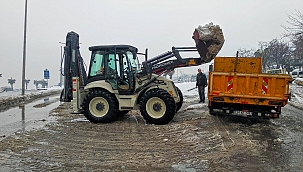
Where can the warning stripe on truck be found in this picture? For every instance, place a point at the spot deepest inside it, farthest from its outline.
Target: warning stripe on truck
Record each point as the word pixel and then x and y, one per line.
pixel 230 84
pixel 265 86
pixel 74 84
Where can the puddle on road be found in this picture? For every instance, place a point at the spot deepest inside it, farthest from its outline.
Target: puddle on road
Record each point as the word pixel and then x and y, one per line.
pixel 31 116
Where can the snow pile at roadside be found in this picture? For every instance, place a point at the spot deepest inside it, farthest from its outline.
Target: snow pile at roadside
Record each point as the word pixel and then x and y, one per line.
pixel 296 95
pixel 299 81
pixel 190 94
pixel 15 98
pixel 18 92
pixel 188 88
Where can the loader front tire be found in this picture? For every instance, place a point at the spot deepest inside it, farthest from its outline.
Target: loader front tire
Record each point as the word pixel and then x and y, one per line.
pixel 179 104
pixel 100 106
pixel 157 107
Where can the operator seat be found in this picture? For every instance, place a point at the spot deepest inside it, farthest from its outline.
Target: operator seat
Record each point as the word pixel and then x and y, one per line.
pixel 124 87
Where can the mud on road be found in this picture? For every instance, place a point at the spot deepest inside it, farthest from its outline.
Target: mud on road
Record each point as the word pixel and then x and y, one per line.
pixel 193 141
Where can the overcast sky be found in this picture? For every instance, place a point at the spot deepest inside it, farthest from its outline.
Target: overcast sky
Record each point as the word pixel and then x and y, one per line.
pixel 154 24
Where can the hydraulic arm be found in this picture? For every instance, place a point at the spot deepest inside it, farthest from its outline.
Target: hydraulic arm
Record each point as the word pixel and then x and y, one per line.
pixel 73 66
pixel 161 65
pixel 209 40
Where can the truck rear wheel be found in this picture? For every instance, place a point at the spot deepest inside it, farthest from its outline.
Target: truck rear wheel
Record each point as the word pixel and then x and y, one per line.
pixel 211 111
pixel 179 104
pixel 210 108
pixel 157 107
pixel 100 107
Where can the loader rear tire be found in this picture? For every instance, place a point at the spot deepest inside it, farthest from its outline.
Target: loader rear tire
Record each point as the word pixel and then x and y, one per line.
pixel 179 104
pixel 100 106
pixel 61 95
pixel 157 107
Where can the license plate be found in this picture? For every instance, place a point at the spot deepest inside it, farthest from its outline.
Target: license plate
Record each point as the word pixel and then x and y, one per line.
pixel 242 113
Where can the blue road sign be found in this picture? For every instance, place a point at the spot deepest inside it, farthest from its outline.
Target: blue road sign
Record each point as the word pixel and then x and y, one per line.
pixel 46 74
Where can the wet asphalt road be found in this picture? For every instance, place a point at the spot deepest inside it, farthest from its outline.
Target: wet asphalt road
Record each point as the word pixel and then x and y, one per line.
pixel 278 142
pixel 30 116
pixel 290 130
pixel 281 141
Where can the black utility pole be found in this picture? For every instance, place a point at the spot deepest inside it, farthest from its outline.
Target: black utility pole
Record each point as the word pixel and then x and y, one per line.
pixel 24 50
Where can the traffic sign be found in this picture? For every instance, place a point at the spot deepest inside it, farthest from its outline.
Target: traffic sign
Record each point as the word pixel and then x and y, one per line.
pixel 46 74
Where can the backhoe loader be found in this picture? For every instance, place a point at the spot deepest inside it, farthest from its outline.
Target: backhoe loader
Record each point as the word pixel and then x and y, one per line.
pixel 116 82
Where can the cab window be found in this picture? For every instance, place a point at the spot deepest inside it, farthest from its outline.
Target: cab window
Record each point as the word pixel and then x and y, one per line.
pixel 97 65
pixel 133 62
pixel 112 67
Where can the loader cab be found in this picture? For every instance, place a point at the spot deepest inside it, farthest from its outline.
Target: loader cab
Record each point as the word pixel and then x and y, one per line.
pixel 116 64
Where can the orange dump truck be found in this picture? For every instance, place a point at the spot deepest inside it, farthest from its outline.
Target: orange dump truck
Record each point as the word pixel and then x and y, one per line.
pixel 237 86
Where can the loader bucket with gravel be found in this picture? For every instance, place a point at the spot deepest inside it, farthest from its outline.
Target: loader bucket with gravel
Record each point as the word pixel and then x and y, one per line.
pixel 209 40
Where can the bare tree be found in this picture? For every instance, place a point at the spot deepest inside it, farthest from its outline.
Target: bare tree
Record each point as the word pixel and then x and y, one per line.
pixel 273 53
pixel 263 53
pixel 243 52
pixel 278 52
pixel 298 50
pixel 295 33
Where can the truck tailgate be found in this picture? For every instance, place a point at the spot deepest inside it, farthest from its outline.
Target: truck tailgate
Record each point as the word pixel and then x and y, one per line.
pixel 244 88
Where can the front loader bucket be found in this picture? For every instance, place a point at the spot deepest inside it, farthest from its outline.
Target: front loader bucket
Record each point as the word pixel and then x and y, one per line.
pixel 202 49
pixel 209 40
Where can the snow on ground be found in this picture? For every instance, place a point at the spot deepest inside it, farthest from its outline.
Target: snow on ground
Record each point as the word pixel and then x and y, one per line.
pixel 296 93
pixel 187 88
pixel 18 92
pixel 190 94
